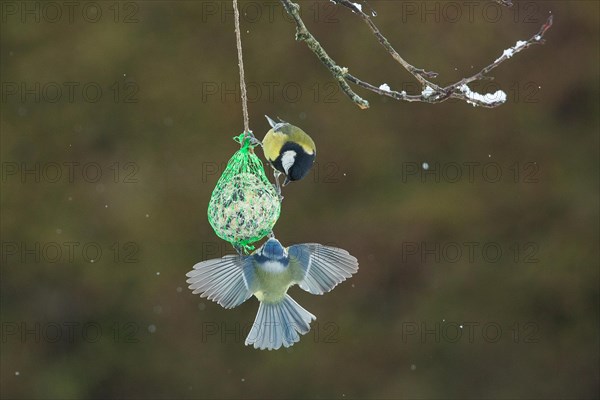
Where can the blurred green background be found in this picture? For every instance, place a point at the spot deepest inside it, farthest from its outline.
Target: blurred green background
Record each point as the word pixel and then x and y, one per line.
pixel 117 118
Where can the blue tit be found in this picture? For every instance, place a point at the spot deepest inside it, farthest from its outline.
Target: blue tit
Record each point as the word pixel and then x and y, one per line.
pixel 267 274
pixel 289 150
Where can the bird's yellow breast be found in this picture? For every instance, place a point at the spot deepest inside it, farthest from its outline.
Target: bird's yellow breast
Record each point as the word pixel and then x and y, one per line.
pixel 272 144
pixel 272 286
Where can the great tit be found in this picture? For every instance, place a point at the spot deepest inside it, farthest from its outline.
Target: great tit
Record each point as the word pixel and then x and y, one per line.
pixel 289 150
pixel 267 274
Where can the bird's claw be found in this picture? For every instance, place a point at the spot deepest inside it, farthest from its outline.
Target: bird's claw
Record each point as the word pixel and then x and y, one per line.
pixel 277 184
pixel 252 139
pixel 239 250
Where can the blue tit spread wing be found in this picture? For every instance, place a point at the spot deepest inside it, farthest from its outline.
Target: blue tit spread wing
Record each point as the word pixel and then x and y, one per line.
pixel 222 280
pixel 323 267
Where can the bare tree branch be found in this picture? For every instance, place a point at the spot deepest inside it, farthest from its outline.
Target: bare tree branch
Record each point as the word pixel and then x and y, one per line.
pixel 432 93
pixel 507 3
pixel 338 72
pixel 418 73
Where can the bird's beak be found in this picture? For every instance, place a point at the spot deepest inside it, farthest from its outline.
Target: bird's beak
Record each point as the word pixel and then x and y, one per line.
pixel 271 122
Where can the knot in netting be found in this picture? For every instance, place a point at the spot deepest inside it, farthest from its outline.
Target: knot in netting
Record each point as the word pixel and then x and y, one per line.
pixel 244 205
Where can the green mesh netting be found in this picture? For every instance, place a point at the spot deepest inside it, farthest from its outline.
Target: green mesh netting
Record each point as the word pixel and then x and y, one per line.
pixel 244 205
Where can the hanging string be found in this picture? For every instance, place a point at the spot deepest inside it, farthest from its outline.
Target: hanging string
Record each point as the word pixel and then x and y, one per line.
pixel 241 67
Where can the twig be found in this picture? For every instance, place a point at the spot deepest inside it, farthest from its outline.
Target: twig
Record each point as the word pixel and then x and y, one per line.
pixel 338 72
pixel 418 73
pixel 538 38
pixel 432 93
pixel 507 3
pixel 238 37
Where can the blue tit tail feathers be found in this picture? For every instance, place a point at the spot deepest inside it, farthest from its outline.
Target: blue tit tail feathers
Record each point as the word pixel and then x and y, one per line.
pixel 324 267
pixel 279 324
pixel 223 280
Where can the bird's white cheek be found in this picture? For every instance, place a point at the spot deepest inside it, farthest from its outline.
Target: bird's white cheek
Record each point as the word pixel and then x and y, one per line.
pixel 287 160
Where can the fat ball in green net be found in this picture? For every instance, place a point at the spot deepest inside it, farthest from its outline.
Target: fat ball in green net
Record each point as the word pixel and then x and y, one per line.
pixel 244 205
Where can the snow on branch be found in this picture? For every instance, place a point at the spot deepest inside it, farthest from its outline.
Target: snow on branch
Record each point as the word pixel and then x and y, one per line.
pixel 507 3
pixel 431 92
